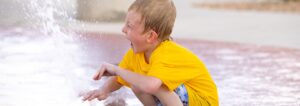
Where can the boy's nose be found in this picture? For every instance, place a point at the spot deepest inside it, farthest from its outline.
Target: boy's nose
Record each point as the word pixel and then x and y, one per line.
pixel 124 29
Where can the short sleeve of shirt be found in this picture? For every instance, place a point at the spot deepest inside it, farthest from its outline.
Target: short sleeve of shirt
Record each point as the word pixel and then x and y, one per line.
pixel 174 69
pixel 125 64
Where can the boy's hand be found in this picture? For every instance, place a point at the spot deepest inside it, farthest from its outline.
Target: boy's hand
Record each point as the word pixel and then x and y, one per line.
pixel 95 94
pixel 106 70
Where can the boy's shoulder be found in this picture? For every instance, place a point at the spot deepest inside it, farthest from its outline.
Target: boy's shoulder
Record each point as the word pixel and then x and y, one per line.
pixel 174 54
pixel 173 49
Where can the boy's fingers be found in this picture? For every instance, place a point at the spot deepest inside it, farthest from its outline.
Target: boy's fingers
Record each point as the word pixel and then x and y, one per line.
pixel 90 97
pixel 101 97
pixel 98 75
pixel 86 97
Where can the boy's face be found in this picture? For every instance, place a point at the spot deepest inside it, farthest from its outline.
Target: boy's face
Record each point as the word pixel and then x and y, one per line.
pixel 134 32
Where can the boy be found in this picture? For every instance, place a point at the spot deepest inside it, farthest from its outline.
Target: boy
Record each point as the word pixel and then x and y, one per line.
pixel 159 71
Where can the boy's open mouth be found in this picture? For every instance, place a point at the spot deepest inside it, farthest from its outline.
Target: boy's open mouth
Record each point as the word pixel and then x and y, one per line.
pixel 131 45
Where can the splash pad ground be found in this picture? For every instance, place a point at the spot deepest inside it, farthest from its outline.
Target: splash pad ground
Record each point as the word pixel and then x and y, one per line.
pixel 47 70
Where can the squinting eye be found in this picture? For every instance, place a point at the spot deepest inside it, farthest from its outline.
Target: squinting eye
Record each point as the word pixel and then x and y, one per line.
pixel 128 26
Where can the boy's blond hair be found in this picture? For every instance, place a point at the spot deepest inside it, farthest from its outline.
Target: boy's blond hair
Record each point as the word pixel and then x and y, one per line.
pixel 158 15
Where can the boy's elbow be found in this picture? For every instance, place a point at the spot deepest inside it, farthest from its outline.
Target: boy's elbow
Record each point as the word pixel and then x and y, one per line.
pixel 152 86
pixel 150 90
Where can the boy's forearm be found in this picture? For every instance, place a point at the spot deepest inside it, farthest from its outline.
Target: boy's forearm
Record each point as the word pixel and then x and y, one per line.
pixel 144 83
pixel 111 85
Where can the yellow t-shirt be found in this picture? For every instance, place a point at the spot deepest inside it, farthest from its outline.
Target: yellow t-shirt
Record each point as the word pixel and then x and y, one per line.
pixel 174 65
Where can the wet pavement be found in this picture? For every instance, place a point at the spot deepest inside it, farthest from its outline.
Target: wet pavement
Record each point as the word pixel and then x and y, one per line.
pixel 245 74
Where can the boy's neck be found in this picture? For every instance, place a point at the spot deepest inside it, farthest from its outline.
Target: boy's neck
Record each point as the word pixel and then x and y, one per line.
pixel 148 53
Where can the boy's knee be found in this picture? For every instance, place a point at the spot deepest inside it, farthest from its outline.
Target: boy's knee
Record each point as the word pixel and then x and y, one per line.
pixel 169 98
pixel 136 91
pixel 163 90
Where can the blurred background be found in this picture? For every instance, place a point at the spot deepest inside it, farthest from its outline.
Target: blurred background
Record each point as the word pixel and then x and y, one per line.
pixel 262 22
pixel 251 47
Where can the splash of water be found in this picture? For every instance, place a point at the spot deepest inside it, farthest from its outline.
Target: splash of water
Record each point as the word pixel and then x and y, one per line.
pixel 46 16
pixel 42 66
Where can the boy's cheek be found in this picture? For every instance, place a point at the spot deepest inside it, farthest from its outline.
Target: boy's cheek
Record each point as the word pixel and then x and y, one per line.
pixel 127 37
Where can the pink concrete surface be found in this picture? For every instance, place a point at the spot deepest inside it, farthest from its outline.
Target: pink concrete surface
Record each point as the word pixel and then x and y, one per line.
pixel 245 74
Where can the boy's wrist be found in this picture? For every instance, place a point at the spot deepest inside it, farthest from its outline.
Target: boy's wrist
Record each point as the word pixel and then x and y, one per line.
pixel 104 90
pixel 117 70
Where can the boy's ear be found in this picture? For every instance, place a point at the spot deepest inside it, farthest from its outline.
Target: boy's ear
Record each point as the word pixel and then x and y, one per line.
pixel 152 36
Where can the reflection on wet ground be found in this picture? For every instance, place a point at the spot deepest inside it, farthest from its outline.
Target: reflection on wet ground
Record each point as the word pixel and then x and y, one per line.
pixel 245 74
pixel 250 74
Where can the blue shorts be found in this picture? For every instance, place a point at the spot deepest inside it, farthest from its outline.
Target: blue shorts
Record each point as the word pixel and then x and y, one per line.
pixel 181 92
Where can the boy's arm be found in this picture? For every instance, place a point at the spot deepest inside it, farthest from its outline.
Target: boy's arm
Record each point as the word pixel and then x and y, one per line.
pixel 147 84
pixel 140 82
pixel 111 85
